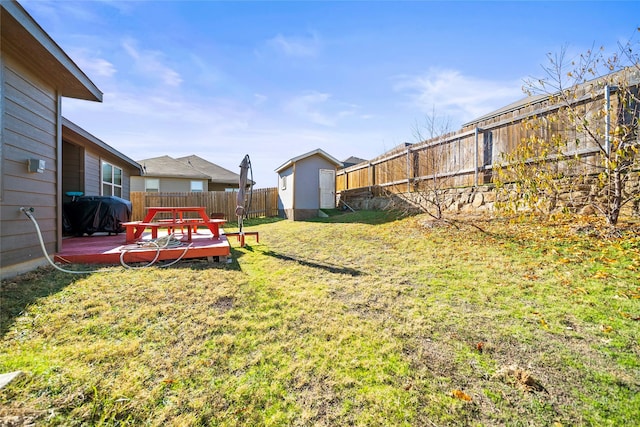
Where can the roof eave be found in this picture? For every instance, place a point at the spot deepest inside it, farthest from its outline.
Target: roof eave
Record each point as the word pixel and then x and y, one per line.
pixel 317 151
pixel 31 41
pixel 70 126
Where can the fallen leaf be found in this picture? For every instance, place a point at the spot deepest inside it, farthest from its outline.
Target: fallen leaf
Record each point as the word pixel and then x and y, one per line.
pixel 543 323
pixel 601 275
pixel 459 394
pixel 522 378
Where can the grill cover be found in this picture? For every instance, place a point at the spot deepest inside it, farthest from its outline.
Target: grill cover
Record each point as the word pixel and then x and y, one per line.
pixel 92 214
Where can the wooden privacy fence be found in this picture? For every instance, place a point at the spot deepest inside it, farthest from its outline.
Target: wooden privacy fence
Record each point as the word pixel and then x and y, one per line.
pixel 586 119
pixel 264 202
pixel 467 157
pixel 456 159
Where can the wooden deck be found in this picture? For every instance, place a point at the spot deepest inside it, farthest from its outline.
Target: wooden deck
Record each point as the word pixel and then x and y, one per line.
pixel 106 249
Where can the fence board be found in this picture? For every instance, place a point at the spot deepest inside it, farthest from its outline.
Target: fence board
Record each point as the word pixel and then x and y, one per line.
pixel 467 157
pixel 264 202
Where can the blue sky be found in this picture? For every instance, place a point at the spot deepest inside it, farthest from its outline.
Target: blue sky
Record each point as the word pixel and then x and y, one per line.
pixel 276 79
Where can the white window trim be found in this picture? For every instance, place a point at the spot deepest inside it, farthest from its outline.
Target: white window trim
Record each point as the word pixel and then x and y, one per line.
pixel 201 184
pixel 154 189
pixel 111 184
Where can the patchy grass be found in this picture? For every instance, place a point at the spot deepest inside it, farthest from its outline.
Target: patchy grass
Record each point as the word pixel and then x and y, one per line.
pixel 356 319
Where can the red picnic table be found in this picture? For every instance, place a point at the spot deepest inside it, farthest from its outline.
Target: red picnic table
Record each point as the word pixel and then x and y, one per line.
pixel 134 229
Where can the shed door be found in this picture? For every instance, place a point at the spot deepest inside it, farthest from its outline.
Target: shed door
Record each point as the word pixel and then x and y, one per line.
pixel 327 189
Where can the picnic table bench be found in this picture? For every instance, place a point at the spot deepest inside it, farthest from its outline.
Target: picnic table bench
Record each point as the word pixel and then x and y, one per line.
pixel 134 229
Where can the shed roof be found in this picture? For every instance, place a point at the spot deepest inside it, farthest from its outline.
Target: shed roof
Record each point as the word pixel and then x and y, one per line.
pixel 168 167
pixel 24 38
pixel 317 151
pixel 74 133
pixel 216 174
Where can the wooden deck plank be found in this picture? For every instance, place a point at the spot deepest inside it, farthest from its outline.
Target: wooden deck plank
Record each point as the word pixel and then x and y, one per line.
pixel 106 249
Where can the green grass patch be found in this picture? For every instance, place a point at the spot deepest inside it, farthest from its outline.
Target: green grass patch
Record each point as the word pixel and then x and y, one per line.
pixel 356 319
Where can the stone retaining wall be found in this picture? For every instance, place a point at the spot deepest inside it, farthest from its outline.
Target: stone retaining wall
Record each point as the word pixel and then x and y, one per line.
pixel 482 199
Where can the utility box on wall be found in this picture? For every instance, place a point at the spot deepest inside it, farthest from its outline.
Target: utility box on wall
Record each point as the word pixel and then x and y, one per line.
pixel 36 165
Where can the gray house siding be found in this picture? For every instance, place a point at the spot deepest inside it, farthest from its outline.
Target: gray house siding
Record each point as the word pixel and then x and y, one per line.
pixel 34 76
pixel 92 172
pixel 126 184
pixel 286 189
pixel 137 183
pixel 308 182
pixel 176 175
pixel 73 169
pixel 300 199
pixel 29 130
pixel 83 155
pixel 168 185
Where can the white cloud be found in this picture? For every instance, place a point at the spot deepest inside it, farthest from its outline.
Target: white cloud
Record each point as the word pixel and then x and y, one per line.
pixel 308 106
pixel 302 47
pixel 259 99
pixel 149 63
pixel 92 65
pixel 58 12
pixel 452 94
pixel 319 108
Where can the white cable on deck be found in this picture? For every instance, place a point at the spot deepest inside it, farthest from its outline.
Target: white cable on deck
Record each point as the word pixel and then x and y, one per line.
pixel 159 248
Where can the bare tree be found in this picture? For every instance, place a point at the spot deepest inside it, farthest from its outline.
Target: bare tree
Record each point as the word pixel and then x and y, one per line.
pixel 584 141
pixel 430 168
pixel 430 180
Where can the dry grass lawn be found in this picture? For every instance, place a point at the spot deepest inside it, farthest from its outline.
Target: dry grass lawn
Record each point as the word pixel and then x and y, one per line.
pixel 357 319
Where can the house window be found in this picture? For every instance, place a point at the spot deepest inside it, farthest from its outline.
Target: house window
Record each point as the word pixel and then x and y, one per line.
pixel 197 187
pixel 152 185
pixel 283 183
pixel 111 180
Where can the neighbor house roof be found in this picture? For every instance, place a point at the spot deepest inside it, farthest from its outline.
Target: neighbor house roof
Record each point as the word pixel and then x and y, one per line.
pixel 508 108
pixel 317 151
pixel 352 161
pixel 192 166
pixel 24 38
pixel 631 74
pixel 74 133
pixel 216 174
pixel 168 167
pixel 397 149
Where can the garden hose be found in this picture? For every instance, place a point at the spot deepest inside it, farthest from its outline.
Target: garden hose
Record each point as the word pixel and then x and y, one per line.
pixel 159 244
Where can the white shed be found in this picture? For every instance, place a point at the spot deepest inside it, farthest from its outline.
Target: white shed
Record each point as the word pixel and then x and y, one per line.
pixel 306 184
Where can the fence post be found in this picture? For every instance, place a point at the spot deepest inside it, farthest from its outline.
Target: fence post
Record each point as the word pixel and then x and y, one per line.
pixel 475 162
pixel 408 171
